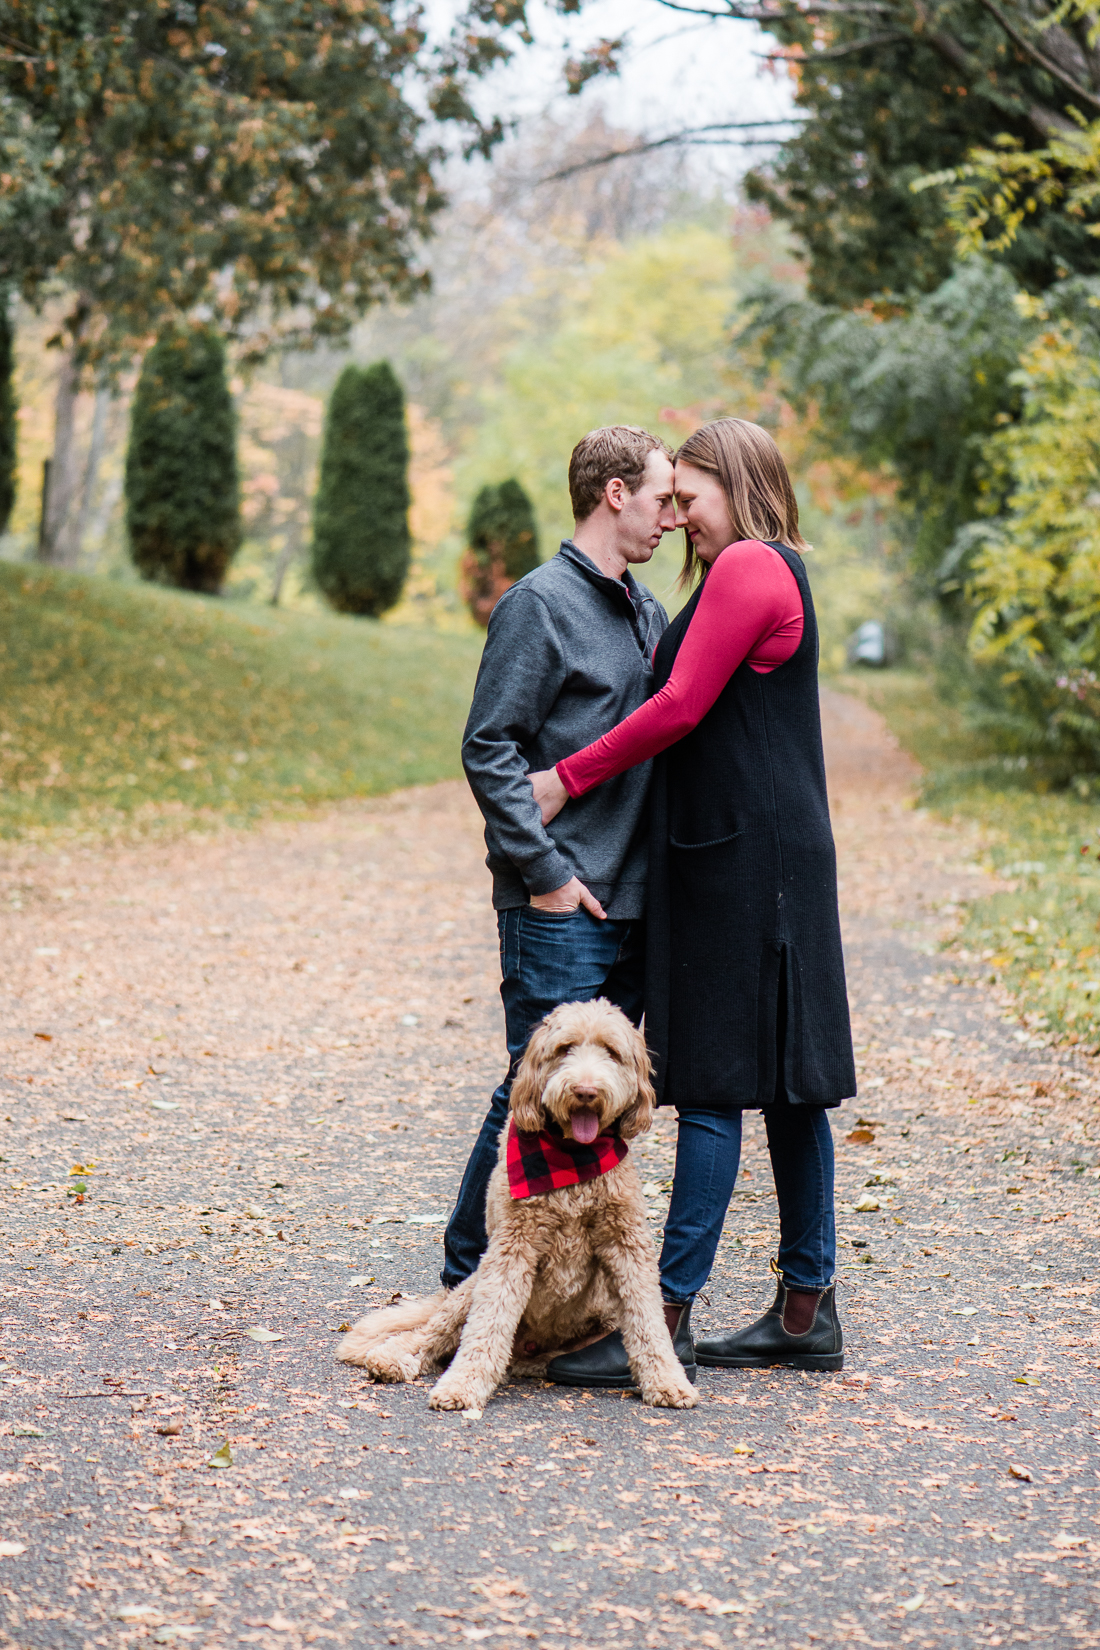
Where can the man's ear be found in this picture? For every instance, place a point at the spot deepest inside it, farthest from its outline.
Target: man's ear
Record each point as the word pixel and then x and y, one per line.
pixel 615 492
pixel 526 1097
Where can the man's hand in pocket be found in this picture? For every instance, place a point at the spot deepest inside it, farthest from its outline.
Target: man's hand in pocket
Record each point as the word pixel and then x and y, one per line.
pixel 564 901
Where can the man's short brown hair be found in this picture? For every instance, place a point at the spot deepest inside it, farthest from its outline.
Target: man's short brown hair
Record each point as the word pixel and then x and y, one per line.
pixel 617 451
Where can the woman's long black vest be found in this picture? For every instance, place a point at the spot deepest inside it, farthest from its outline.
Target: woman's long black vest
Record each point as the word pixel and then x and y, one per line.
pixel 745 992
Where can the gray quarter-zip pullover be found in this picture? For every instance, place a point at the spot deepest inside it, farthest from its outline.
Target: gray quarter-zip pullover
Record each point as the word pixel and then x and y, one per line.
pixel 567 656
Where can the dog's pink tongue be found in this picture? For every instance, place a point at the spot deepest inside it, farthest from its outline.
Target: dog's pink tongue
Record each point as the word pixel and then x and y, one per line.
pixel 586 1126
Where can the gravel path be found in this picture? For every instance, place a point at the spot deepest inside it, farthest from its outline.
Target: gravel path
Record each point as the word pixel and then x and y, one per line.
pixel 268 1053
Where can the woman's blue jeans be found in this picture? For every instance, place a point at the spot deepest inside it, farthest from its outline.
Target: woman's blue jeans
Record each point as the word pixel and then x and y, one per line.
pixel 708 1152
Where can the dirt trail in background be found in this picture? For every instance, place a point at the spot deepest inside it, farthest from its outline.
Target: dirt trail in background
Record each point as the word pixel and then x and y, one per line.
pixel 271 1052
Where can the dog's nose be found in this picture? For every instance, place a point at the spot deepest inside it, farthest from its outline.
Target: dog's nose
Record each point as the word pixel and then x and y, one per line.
pixel 586 1091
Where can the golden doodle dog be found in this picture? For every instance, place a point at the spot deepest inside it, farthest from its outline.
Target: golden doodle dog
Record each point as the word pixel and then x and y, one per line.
pixel 564 1264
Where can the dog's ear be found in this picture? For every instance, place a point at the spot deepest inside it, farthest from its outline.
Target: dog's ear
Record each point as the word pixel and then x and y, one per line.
pixel 638 1118
pixel 526 1099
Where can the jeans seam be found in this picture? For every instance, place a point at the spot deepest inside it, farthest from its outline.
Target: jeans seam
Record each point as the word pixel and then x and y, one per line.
pixel 817 1249
pixel 704 1198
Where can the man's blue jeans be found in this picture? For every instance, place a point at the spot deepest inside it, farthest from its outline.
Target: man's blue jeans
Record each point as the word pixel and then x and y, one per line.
pixel 544 960
pixel 708 1151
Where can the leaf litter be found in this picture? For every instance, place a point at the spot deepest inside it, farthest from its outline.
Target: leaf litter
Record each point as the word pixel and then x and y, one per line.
pixel 294 1425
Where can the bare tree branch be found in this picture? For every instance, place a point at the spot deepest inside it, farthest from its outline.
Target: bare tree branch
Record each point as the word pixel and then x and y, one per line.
pixel 823 56
pixel 763 13
pixel 1020 39
pixel 691 135
pixel 1045 120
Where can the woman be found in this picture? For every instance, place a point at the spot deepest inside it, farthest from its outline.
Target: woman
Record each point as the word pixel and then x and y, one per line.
pixel 746 1004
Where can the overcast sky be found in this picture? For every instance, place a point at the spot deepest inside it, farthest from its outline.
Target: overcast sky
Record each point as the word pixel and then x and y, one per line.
pixel 677 71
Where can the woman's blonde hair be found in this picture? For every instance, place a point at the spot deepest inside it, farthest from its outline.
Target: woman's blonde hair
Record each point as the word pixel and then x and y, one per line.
pixel 753 476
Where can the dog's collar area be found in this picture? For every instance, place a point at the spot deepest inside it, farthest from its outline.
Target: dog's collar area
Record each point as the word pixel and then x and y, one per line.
pixel 548 1162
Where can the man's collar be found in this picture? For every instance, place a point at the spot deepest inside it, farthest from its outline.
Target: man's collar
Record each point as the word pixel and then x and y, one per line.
pixel 627 583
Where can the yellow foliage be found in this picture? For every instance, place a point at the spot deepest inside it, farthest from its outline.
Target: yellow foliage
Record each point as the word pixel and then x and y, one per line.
pixel 1036 578
pixel 998 189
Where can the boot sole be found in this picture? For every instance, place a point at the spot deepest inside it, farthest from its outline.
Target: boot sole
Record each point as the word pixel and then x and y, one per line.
pixel 797 1360
pixel 618 1383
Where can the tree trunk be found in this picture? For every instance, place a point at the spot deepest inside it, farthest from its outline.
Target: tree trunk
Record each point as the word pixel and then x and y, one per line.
pixel 56 544
pixel 287 555
pixel 91 468
pixel 112 493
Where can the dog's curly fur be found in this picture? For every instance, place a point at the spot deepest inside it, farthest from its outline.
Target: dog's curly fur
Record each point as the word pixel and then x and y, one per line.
pixel 562 1268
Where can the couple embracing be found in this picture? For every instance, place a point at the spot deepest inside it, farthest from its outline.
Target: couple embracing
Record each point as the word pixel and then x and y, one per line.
pixel 658 834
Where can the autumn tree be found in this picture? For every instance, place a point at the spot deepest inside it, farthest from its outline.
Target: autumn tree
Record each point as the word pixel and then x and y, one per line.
pixel 886 91
pixel 268 166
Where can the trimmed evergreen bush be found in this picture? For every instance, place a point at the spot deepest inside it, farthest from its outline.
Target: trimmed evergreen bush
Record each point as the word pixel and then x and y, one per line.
pixel 7 415
pixel 182 487
pixel 502 545
pixel 361 537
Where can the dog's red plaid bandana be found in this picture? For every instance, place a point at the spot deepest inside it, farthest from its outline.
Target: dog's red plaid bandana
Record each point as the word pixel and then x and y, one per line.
pixel 547 1161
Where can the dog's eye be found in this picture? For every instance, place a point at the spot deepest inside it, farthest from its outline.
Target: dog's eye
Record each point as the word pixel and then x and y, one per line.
pixel 614 1053
pixel 566 1048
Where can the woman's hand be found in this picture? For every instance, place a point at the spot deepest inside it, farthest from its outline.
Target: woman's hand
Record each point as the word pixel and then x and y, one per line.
pixel 550 794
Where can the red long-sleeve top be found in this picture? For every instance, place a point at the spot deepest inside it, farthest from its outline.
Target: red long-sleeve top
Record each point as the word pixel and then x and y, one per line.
pixel 750 609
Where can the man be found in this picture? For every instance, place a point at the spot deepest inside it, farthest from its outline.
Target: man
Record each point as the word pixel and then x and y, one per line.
pixel 567 656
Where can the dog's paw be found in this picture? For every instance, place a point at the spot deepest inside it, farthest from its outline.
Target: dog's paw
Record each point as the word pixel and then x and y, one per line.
pixel 670 1393
pixel 393 1363
pixel 397 1358
pixel 448 1393
pixel 358 1344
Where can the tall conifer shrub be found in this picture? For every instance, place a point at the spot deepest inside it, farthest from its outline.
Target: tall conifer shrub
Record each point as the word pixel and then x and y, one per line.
pixel 361 534
pixel 7 415
pixel 502 545
pixel 182 487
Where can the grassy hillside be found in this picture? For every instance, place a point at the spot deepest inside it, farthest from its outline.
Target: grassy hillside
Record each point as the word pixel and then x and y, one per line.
pixel 1041 936
pixel 136 706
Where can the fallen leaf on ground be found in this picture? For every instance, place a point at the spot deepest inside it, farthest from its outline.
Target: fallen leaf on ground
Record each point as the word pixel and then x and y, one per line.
pixel 707 1603
pixel 860 1137
pixel 11 1549
pixel 258 1333
pixel 221 1457
pixel 1019 1472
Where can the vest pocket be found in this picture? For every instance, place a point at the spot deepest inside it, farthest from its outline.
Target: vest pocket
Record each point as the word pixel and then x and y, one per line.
pixel 715 842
